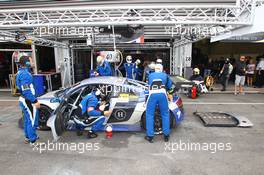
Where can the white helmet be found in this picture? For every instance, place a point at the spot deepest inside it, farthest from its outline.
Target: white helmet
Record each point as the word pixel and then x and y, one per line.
pixel 100 59
pixel 138 62
pixel 152 65
pixel 129 59
pixel 159 61
pixel 98 92
pixel 196 71
pixel 158 68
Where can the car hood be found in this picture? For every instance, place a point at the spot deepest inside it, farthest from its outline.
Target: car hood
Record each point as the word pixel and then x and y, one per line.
pixel 48 95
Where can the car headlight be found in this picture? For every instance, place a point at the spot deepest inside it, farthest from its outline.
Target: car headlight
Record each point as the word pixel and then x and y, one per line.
pixel 55 100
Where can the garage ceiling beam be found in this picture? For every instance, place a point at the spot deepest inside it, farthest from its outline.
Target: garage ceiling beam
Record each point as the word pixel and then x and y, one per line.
pixel 122 15
pixel 10 37
pixel 147 45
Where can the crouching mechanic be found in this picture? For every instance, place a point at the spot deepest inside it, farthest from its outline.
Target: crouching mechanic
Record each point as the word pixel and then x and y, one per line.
pixel 27 101
pixel 159 84
pixel 95 118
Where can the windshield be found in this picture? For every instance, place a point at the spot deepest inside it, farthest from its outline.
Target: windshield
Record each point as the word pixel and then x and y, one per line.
pixel 61 92
pixel 136 83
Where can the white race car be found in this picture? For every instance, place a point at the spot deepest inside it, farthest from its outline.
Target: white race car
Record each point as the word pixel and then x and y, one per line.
pixel 126 99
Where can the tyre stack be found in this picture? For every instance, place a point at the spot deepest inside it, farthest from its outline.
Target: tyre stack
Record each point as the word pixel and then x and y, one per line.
pixel 80 72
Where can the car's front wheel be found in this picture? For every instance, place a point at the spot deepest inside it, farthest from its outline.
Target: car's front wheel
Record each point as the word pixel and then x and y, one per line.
pixel 157 122
pixel 44 114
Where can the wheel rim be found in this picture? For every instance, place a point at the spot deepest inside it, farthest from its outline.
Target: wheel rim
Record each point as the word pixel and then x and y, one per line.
pixel 43 113
pixel 158 123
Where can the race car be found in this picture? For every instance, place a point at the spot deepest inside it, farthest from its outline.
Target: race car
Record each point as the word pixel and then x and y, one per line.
pixel 126 98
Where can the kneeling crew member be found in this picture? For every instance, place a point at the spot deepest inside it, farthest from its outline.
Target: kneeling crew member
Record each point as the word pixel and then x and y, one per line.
pixel 159 83
pixel 27 101
pixel 89 105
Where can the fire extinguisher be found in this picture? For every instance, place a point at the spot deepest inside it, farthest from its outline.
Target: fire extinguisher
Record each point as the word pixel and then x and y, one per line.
pixel 194 91
pixel 108 132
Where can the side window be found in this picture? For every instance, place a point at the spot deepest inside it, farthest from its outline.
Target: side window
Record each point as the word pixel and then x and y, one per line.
pixel 74 96
pixel 107 89
pixel 86 91
pixel 115 91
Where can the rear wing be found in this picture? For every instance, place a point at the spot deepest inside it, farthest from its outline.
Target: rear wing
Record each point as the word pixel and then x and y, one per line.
pixel 181 83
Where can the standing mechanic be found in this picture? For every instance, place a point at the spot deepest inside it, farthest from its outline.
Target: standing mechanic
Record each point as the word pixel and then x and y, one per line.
pixel 103 67
pixel 225 73
pixel 96 118
pixel 159 83
pixel 138 70
pixel 150 68
pixel 130 68
pixel 27 101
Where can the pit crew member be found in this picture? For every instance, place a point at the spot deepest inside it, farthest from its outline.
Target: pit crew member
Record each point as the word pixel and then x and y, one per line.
pixel 159 84
pixel 27 101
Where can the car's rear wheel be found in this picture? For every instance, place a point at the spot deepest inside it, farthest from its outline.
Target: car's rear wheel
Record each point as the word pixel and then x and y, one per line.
pixel 157 122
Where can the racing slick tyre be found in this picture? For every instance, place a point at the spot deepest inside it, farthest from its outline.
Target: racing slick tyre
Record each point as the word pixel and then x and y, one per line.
pixel 157 122
pixel 44 114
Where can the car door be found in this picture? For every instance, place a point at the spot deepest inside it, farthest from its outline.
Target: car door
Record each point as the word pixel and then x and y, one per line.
pixel 60 120
pixel 123 101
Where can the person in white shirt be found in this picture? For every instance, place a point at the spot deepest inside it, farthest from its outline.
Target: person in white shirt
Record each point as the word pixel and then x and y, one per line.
pixel 250 72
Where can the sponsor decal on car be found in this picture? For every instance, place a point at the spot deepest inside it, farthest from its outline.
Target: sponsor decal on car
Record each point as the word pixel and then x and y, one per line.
pixel 120 114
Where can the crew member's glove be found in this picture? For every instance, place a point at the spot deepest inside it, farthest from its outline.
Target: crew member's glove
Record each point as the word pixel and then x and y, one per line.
pixel 37 105
pixel 102 107
pixel 170 97
pixel 107 113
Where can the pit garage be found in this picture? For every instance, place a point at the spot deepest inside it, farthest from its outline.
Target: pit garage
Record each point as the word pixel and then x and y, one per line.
pixel 213 133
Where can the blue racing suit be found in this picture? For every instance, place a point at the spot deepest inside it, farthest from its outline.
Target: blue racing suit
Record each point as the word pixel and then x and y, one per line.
pixel 158 97
pixel 92 101
pixel 104 69
pixel 130 69
pixel 24 82
pixel 147 73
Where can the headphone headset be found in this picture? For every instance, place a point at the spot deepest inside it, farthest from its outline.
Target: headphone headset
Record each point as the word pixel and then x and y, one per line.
pixel 27 64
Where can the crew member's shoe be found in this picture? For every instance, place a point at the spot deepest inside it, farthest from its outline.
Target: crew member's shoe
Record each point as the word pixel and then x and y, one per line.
pixel 166 138
pixel 26 141
pixel 149 139
pixel 91 135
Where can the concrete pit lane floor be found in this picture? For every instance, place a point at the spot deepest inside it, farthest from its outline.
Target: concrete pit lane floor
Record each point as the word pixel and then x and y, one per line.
pixel 193 148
